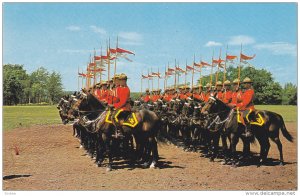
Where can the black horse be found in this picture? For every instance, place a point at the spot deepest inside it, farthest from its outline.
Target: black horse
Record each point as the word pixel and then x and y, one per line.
pixel 273 122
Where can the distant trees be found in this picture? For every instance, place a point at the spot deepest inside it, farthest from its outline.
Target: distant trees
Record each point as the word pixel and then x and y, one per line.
pixel 39 86
pixel 267 91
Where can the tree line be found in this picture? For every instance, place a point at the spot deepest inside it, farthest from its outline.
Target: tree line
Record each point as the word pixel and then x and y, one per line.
pixel 267 91
pixel 41 86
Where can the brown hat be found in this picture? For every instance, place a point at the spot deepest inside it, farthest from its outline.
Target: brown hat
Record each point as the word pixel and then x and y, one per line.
pixel 236 81
pixel 227 83
pixel 122 76
pixel 219 83
pixel 247 80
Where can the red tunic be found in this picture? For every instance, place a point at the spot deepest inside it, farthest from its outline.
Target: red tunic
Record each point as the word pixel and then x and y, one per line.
pixel 123 94
pixel 182 96
pixel 206 96
pixel 146 98
pixel 97 93
pixel 247 100
pixel 236 97
pixel 104 95
pixel 227 95
pixel 219 95
pixel 168 97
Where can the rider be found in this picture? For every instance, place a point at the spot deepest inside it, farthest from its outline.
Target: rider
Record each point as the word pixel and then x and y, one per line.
pixel 146 97
pixel 247 105
pixel 207 94
pixel 104 91
pixel 97 92
pixel 227 94
pixel 188 91
pixel 219 93
pixel 122 107
pixel 197 93
pixel 236 96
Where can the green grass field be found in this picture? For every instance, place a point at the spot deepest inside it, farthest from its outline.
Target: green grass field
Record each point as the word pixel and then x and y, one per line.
pixel 24 116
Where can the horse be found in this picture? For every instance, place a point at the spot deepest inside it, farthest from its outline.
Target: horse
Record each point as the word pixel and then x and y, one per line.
pixel 144 133
pixel 273 122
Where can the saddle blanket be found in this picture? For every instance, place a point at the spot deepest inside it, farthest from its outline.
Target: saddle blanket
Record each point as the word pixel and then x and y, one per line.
pixel 130 121
pixel 258 119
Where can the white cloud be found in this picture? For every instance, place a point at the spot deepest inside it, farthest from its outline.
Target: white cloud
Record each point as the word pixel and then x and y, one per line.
pixel 73 28
pixel 75 51
pixel 278 48
pixel 98 30
pixel 213 43
pixel 130 38
pixel 241 39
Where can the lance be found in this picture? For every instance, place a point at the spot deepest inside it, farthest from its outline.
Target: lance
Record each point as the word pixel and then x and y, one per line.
pixel 151 79
pixel 108 60
pixel 200 73
pixel 148 80
pixel 178 74
pixel 115 69
pixel 224 73
pixel 175 75
pixel 78 79
pixel 212 65
pixel 185 73
pixel 158 79
pixel 193 71
pixel 94 67
pixel 219 63
pixel 239 68
pixel 165 79
pixel 142 83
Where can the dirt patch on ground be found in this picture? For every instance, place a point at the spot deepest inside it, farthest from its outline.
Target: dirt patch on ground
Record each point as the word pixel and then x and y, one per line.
pixel 50 159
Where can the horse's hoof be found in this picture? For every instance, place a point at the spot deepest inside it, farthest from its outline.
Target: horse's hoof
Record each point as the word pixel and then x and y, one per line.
pixel 108 168
pixel 81 146
pixel 145 165
pixel 281 163
pixel 153 165
pixel 211 159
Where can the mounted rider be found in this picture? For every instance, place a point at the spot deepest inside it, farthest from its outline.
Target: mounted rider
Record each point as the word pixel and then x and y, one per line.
pixel 207 93
pixel 197 93
pixel 247 105
pixel 146 97
pixel 122 106
pixel 219 93
pixel 236 96
pixel 227 93
pixel 104 92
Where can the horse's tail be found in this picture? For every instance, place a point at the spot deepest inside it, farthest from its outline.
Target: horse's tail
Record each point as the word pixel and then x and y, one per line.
pixel 284 131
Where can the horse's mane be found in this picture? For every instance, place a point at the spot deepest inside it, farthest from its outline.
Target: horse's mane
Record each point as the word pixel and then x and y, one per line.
pixel 95 103
pixel 221 106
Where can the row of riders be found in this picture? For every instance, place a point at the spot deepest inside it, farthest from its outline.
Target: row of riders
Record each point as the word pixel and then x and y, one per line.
pixel 195 118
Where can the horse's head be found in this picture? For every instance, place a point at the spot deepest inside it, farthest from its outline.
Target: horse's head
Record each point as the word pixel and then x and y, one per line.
pixel 211 105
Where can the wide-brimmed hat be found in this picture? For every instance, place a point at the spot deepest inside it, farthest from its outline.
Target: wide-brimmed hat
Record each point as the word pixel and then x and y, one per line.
pixel 123 76
pixel 236 81
pixel 227 83
pixel 219 83
pixel 247 80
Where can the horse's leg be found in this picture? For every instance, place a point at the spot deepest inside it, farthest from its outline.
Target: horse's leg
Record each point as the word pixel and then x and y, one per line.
pixel 279 146
pixel 234 140
pixel 108 149
pixel 246 148
pixel 154 150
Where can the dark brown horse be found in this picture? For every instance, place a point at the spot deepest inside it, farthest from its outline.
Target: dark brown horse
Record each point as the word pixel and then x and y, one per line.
pixel 273 122
pixel 144 133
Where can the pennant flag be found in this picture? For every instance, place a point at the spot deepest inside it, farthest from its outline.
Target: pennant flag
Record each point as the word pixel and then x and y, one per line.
pixel 179 69
pixel 104 57
pixel 96 70
pixel 92 64
pixel 205 64
pixel 144 77
pixel 198 65
pixel 188 68
pixel 217 61
pixel 230 57
pixel 168 73
pixel 120 50
pixel 155 74
pixel 113 50
pixel 82 74
pixel 244 57
pixel 170 69
pixel 97 58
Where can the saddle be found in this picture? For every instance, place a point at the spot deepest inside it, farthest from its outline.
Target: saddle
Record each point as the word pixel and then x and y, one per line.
pixel 256 120
pixel 130 120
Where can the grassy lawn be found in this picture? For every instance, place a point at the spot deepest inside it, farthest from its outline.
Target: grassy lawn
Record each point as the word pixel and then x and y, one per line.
pixel 289 112
pixel 24 116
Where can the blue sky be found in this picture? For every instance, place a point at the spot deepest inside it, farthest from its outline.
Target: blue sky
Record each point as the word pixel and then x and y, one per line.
pixel 61 36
